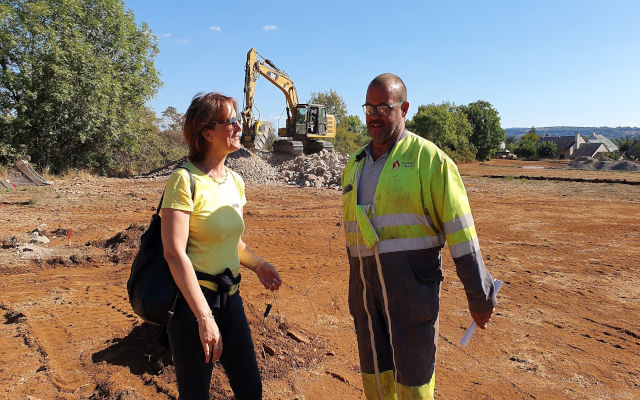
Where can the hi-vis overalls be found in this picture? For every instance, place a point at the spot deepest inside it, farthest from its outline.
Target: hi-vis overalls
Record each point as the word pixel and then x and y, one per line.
pixel 395 264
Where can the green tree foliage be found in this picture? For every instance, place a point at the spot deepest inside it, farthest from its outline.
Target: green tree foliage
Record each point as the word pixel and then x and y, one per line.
pixel 74 79
pixel 332 101
pixel 625 143
pixel 547 150
pixel 525 149
pixel 486 133
pixel 510 140
pixel 530 136
pixel 446 126
pixel 351 134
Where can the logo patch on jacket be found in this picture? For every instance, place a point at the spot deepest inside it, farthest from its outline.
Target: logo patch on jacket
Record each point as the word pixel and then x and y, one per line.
pixel 405 164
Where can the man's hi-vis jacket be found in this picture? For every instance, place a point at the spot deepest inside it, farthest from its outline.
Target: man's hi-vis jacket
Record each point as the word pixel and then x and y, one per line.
pixel 420 203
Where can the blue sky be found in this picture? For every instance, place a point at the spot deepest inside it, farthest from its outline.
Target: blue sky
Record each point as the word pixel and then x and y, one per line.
pixel 539 63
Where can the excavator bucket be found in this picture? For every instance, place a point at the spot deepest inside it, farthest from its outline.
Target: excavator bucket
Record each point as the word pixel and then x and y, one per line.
pixel 257 135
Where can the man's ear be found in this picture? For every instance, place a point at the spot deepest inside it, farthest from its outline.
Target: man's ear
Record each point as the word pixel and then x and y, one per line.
pixel 404 108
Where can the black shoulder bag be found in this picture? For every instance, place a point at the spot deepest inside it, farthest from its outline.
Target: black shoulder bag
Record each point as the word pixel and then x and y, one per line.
pixel 152 290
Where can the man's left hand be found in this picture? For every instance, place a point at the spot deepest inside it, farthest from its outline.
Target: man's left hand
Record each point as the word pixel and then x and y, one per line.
pixel 482 318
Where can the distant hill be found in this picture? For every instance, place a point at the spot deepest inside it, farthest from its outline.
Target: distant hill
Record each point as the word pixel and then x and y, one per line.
pixel 622 131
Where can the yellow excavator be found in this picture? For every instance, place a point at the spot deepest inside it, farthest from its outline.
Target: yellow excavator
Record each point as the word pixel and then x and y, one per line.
pixel 307 124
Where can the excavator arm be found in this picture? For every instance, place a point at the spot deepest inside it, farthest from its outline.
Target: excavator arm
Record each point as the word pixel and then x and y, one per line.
pixel 257 65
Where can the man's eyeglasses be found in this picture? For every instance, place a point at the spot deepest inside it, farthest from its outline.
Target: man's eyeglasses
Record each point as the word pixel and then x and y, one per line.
pixel 382 109
pixel 232 121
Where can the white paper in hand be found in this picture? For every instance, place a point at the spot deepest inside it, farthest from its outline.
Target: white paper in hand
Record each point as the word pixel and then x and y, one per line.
pixel 467 335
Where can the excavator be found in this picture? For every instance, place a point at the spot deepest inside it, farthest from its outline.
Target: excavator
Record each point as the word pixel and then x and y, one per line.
pixel 306 125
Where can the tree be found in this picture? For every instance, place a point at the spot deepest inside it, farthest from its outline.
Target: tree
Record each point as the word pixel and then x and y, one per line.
pixel 74 79
pixel 625 143
pixel 171 119
pixel 486 133
pixel 547 149
pixel 332 101
pixel 350 131
pixel 446 126
pixel 509 140
pixel 530 136
pixel 525 149
pixel 351 135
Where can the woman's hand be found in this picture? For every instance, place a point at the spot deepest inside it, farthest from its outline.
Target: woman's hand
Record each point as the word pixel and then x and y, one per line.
pixel 210 338
pixel 268 276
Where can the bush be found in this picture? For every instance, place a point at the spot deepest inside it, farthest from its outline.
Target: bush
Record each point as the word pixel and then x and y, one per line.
pixel 547 150
pixel 525 149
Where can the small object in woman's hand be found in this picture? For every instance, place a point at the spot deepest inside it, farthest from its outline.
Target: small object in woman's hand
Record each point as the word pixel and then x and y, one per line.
pixel 267 310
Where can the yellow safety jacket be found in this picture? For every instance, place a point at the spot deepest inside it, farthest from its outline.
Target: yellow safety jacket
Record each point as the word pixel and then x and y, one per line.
pixel 420 203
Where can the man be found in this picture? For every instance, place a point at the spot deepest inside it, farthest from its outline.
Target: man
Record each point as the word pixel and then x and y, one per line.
pixel 402 199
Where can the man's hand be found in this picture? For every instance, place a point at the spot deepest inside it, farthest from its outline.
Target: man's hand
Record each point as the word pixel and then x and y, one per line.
pixel 482 318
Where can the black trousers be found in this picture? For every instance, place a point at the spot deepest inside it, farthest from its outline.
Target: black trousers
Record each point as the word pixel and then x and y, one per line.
pixel 238 355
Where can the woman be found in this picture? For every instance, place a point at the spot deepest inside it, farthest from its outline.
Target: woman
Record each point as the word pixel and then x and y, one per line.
pixel 204 235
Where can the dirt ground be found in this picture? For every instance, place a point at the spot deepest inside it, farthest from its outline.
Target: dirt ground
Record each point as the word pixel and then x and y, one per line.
pixel 567 324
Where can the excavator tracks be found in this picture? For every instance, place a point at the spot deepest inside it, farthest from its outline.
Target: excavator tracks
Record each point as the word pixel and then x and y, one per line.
pixel 293 147
pixel 316 146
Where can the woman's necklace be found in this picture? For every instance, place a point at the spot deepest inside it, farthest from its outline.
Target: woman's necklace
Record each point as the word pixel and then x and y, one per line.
pixel 219 181
pixel 210 174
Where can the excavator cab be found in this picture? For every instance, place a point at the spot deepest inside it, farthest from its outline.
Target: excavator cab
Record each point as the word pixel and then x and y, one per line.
pixel 311 121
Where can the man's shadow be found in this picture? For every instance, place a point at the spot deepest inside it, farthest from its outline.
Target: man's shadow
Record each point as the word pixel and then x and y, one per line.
pixel 144 350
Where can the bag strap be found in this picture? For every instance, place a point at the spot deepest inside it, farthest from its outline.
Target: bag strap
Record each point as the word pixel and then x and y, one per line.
pixel 191 182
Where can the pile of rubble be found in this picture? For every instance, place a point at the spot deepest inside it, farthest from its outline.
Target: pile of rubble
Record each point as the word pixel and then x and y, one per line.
pixel 33 246
pixel 323 169
pixel 589 163
pixel 252 167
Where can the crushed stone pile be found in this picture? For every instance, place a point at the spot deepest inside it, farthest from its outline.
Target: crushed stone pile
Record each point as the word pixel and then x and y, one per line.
pixel 592 164
pixel 251 167
pixel 323 169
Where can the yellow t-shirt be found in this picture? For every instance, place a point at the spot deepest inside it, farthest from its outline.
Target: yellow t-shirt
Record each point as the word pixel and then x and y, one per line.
pixel 215 223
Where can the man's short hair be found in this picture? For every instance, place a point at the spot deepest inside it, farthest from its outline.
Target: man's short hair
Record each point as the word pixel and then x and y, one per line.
pixel 393 82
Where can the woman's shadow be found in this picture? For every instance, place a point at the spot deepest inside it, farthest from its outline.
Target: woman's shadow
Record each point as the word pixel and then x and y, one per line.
pixel 144 350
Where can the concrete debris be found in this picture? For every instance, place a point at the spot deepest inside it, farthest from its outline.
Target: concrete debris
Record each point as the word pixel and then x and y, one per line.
pixel 40 229
pixel 32 251
pixel 22 174
pixel 319 170
pixel 251 167
pixel 323 169
pixel 38 239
